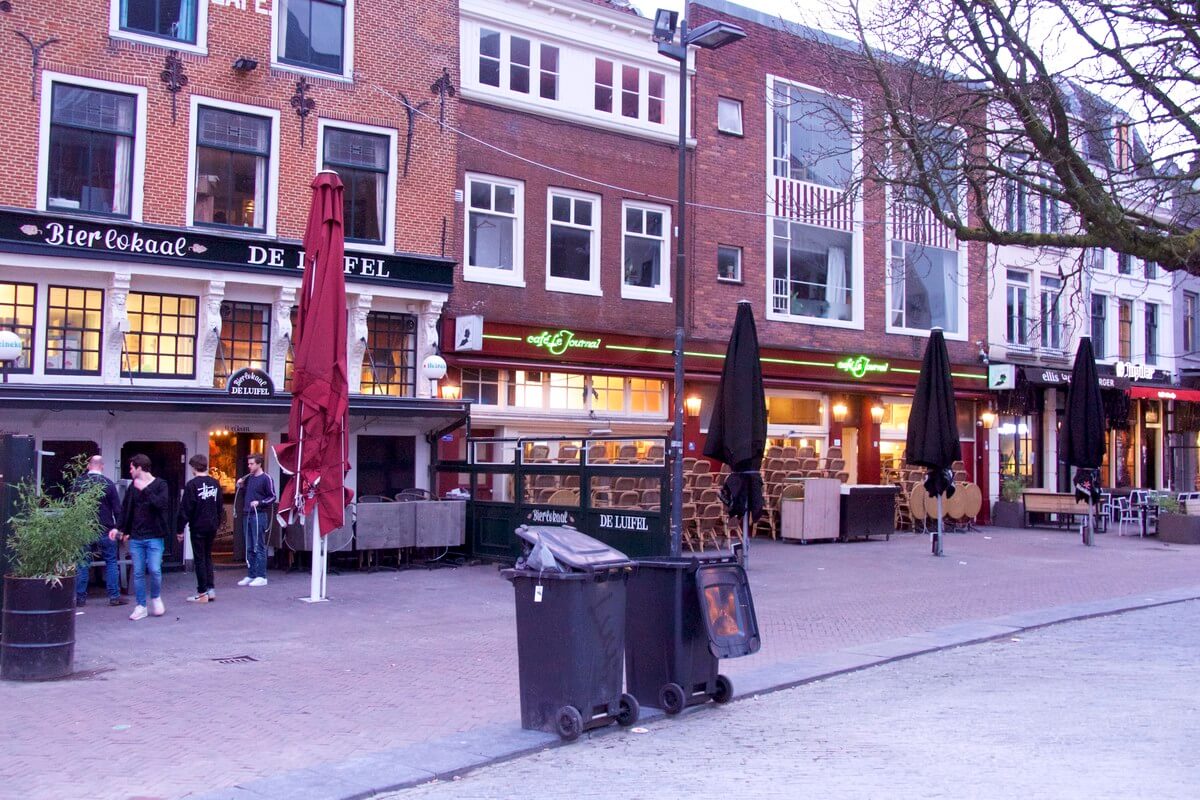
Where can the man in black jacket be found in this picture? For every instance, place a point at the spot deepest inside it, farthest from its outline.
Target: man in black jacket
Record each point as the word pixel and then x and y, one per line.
pixel 145 522
pixel 202 511
pixel 106 520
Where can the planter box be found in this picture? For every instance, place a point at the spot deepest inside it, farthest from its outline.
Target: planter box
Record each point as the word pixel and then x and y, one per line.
pixel 39 629
pixel 1008 515
pixel 1178 529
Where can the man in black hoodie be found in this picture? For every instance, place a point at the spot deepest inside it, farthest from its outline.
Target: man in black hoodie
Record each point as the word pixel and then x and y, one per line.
pixel 201 511
pixel 145 522
pixel 106 519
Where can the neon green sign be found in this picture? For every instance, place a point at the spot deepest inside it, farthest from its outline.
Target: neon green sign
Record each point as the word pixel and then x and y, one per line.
pixel 559 342
pixel 858 366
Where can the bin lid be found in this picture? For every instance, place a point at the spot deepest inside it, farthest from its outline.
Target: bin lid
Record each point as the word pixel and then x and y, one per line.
pixel 574 549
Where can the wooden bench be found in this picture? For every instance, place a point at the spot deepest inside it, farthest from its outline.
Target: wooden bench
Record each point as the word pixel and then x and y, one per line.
pixel 1062 504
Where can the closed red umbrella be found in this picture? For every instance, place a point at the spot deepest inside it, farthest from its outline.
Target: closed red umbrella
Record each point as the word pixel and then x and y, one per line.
pixel 316 451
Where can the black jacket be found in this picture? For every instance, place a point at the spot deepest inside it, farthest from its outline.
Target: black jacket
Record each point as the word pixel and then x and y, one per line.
pixel 202 506
pixel 147 511
pixel 109 511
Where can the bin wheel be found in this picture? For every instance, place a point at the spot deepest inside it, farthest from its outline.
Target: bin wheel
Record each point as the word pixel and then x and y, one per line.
pixel 630 710
pixel 569 723
pixel 724 691
pixel 671 698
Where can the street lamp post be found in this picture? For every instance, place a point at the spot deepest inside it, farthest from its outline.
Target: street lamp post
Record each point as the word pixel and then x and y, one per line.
pixel 710 36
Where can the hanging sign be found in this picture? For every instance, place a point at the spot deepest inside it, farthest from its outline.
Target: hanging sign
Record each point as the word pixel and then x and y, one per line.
pixel 858 366
pixel 1135 372
pixel 250 382
pixel 1002 376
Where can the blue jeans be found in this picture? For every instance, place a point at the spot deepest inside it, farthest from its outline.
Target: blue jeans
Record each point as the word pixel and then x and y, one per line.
pixel 112 580
pixel 256 525
pixel 147 557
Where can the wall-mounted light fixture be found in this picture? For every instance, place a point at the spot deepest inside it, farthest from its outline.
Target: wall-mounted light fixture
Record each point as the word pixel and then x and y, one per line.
pixel 244 66
pixel 1152 414
pixel 692 405
pixel 451 392
pixel 840 410
pixel 987 419
pixel 877 413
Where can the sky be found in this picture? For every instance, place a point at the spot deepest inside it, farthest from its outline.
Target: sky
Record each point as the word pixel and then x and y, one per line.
pixel 788 9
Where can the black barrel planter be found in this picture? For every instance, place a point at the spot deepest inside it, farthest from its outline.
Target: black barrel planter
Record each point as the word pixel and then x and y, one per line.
pixel 39 629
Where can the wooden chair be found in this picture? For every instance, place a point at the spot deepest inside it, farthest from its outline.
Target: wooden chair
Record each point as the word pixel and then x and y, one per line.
pixel 627 454
pixel 654 454
pixel 628 499
pixel 537 453
pixel 702 466
pixel 789 451
pixel 708 496
pixel 567 452
pixel 710 524
pixel 625 484
pixel 564 497
pixel 806 452
pixel 774 451
pixel 690 535
pixel 651 499
pixel 702 481
pixel 597 454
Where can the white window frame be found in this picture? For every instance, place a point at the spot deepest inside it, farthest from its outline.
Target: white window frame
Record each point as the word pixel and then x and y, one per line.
pixel 1054 294
pixel 199 48
pixel 571 285
pixel 272 193
pixel 1010 285
pixel 739 251
pixel 960 283
pixel 137 183
pixel 389 233
pixel 727 102
pixel 347 73
pixel 515 277
pixel 661 293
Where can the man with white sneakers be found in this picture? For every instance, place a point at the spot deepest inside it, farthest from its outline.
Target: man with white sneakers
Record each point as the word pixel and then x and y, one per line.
pixel 144 523
pixel 258 493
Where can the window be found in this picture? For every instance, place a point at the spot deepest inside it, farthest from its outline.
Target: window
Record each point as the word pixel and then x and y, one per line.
pixel 1017 293
pixel 518 64
pixel 566 391
pixel 165 19
pixel 363 161
pixel 1100 325
pixel 1016 206
pixel 1051 321
pixel 481 386
pixel 312 33
pixel 573 243
pixel 631 78
pixel 549 76
pixel 1049 215
pixel 656 92
pixel 608 393
pixel 389 363
pixel 812 274
pixel 1096 259
pixel 1125 329
pixel 1124 264
pixel 729 263
pixel 494 226
pixel 645 252
pixel 232 161
pixel 1150 270
pixel 604 85
pixel 526 389
pixel 729 116
pixel 161 342
pixel 289 360
pixel 245 340
pixel 646 396
pixel 74 327
pixel 91 150
pixel 17 304
pixel 489 57
pixel 1191 324
pixel 1151 320
pixel 925 287
pixel 812 136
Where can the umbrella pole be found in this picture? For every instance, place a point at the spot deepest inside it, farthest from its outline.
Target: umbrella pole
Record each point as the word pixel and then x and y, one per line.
pixel 937 537
pixel 1087 527
pixel 320 557
pixel 746 538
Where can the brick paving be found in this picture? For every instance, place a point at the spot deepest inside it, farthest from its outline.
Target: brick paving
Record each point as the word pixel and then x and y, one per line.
pixel 398 659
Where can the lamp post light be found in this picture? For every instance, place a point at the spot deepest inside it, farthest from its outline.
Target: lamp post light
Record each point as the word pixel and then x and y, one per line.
pixel 10 351
pixel 710 36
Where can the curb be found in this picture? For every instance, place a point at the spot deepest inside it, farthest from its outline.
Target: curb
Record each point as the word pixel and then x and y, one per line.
pixel 453 756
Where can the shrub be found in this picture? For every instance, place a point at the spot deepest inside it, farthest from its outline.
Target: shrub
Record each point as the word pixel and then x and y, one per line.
pixel 1011 488
pixel 48 535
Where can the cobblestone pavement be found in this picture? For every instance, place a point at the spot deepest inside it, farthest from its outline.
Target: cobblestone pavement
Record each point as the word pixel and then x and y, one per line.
pixel 399 659
pixel 1100 708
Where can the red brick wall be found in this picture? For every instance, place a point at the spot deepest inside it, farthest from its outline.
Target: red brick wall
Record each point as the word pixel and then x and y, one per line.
pixel 400 45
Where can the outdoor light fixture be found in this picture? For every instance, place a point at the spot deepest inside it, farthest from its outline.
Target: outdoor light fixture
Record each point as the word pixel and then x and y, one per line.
pixel 451 392
pixel 840 410
pixel 245 65
pixel 877 413
pixel 987 418
pixel 1151 415
pixel 692 405
pixel 710 35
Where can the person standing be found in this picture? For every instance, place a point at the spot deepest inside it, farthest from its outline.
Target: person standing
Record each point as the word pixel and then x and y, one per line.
pixel 201 511
pixel 107 514
pixel 258 492
pixel 144 523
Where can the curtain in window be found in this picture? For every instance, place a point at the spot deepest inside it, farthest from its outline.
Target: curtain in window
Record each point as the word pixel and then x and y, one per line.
pixel 260 191
pixel 122 162
pixel 185 29
pixel 949 264
pixel 381 203
pixel 835 284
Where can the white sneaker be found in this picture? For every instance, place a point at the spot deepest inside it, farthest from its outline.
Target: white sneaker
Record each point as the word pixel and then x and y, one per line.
pixel 259 582
pixel 245 581
pixel 139 612
pixel 212 595
pixel 156 606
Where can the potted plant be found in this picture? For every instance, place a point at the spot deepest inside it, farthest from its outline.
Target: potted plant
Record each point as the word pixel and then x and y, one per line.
pixel 1008 511
pixel 1174 525
pixel 48 537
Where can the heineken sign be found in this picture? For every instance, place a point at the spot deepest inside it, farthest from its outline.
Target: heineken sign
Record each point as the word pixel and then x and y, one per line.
pixel 559 342
pixel 859 366
pixel 38 233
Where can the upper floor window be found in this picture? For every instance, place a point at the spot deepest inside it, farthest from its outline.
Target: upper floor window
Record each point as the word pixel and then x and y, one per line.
pixel 1017 302
pixel 1051 322
pixel 630 87
pixel 1151 333
pixel 18 304
pixel 245 339
pixel 161 341
pixel 166 19
pixel 495 211
pixel 74 326
pixel 312 34
pixel 1050 215
pixel 1016 203
pixel 1100 325
pixel 574 242
pixel 1150 269
pixel 729 263
pixel 604 85
pixel 644 246
pixel 925 287
pixel 1124 264
pixel 389 362
pixel 1125 330
pixel 812 275
pixel 1191 322
pixel 91 153
pixel 729 116
pixel 232 166
pixel 363 161
pixel 519 52
pixel 548 85
pixel 812 140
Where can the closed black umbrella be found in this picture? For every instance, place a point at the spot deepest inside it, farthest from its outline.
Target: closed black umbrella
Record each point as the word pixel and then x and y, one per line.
pixel 933 427
pixel 737 431
pixel 1083 432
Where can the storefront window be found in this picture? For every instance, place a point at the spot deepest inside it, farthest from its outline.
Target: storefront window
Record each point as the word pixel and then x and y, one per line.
pixel 161 341
pixel 566 391
pixel 389 363
pixel 17 303
pixel 645 396
pixel 1123 455
pixel 74 324
pixel 608 393
pixel 787 410
pixel 245 339
pixel 1018 449
pixel 481 386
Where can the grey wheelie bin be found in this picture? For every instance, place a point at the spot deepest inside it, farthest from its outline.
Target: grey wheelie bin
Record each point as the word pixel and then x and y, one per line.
pixel 570 596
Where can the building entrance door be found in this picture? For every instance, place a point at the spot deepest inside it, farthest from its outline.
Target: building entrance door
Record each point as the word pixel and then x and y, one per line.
pixel 227 451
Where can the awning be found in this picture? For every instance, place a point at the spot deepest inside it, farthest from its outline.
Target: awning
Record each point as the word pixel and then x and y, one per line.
pixel 1160 393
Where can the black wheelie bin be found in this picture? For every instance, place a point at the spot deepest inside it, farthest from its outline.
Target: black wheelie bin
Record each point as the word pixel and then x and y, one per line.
pixel 684 615
pixel 570 596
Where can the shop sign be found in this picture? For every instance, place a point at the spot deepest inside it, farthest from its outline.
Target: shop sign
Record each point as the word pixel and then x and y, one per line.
pixel 624 522
pixel 858 366
pixel 1135 372
pixel 559 342
pixel 35 232
pixel 1002 376
pixel 545 516
pixel 1058 377
pixel 250 382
